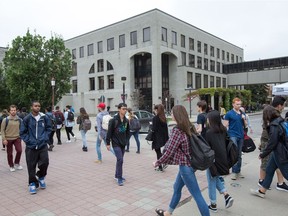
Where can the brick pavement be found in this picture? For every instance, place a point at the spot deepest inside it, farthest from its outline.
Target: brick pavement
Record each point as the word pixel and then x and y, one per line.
pixel 78 186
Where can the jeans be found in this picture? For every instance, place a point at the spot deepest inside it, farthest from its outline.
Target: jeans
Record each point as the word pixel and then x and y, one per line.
pixel 83 135
pixel 119 153
pixel 98 146
pixel 18 148
pixel 136 136
pixel 214 183
pixel 272 165
pixel 239 142
pixel 186 176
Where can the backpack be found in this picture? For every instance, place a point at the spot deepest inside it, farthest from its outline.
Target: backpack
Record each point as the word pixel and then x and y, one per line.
pixel 53 122
pixel 58 118
pixel 134 124
pixel 105 121
pixel 232 152
pixel 70 116
pixel 284 154
pixel 86 125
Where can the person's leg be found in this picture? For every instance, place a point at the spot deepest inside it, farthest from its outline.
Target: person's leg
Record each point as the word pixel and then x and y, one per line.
pixel 18 148
pixel 119 162
pixel 159 155
pixel 283 167
pixel 98 148
pixel 128 142
pixel 43 162
pixel 71 132
pixel 67 129
pixel 31 161
pixel 83 135
pixel 211 187
pixel 136 136
pixel 9 150
pixel 279 176
pixel 58 134
pixel 236 169
pixel 111 148
pixel 270 170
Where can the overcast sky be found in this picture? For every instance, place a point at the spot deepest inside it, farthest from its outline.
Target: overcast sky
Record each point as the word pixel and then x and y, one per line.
pixel 259 27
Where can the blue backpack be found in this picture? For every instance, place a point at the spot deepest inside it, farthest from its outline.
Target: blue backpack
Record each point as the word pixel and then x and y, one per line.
pixel 284 153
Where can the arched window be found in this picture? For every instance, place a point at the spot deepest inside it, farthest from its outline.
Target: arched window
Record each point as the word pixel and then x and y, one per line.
pixel 92 69
pixel 109 66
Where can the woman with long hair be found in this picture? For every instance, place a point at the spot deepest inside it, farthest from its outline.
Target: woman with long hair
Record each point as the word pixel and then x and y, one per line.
pixel 80 119
pixel 216 138
pixel 177 152
pixel 160 132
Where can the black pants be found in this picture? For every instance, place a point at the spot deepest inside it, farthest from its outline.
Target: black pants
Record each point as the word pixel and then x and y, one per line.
pixel 37 157
pixel 58 134
pixel 159 155
pixel 51 140
pixel 69 131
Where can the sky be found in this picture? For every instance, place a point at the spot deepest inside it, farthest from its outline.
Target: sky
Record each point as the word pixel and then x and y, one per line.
pixel 257 26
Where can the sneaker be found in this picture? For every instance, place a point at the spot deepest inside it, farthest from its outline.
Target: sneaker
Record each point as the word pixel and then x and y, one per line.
pixel 282 187
pixel 32 188
pixel 12 169
pixel 213 207
pixel 59 143
pixel 164 166
pixel 260 182
pixel 228 201
pixel 85 149
pixel 98 161
pixel 42 182
pixel 123 179
pixel 74 138
pixel 120 182
pixel 3 149
pixel 138 152
pixel 127 150
pixel 257 193
pixel 159 169
pixel 18 167
pixel 68 141
pixel 234 176
pixel 240 175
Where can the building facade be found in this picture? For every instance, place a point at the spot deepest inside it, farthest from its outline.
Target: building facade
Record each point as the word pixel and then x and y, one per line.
pixel 154 52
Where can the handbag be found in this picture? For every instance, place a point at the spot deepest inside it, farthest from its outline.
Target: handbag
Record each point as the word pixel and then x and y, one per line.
pixel 248 144
pixel 150 134
pixel 232 152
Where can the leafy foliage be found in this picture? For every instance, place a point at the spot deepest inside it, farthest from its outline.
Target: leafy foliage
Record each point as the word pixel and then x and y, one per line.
pixel 137 99
pixel 259 92
pixel 4 92
pixel 31 63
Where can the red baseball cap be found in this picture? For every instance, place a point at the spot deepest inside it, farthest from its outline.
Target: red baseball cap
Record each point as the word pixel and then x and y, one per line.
pixel 101 105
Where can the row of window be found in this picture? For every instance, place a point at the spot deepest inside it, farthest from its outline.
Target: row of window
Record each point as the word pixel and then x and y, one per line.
pixel 214 66
pixel 198 81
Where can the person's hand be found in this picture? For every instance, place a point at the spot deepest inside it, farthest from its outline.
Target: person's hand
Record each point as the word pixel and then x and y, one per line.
pixel 108 147
pixel 154 164
pixel 5 142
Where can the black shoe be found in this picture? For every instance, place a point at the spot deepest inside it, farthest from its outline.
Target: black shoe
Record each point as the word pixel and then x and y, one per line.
pixel 213 207
pixel 85 149
pixel 51 147
pixel 282 187
pixel 228 201
pixel 59 143
pixel 127 150
pixel 260 182
pixel 138 152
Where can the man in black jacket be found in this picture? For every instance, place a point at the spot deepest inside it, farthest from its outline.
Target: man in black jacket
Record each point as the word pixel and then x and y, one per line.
pixel 118 133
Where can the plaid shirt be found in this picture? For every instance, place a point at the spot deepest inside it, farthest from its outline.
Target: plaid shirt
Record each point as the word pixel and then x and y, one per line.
pixel 176 149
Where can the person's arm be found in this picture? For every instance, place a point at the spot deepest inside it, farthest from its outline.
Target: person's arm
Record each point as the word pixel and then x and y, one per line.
pixel 24 133
pixel 111 127
pixel 272 142
pixel 199 124
pixel 3 125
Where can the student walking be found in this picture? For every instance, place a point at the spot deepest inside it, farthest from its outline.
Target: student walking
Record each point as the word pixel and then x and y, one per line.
pixel 177 152
pixel 59 117
pixel 11 136
pixel 135 133
pixel 51 117
pixel 118 133
pixel 80 120
pixel 201 118
pixel 216 138
pixel 69 123
pixel 35 131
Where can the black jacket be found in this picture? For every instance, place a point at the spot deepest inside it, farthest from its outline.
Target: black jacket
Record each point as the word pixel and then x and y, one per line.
pixel 160 135
pixel 118 132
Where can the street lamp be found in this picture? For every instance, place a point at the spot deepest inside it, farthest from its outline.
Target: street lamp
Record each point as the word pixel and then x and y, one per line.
pixel 123 94
pixel 53 85
pixel 189 98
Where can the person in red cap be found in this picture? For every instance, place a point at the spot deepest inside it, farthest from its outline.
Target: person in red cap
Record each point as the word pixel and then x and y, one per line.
pixel 102 132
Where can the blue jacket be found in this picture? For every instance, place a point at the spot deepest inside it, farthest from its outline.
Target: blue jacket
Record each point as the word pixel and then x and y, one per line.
pixel 35 133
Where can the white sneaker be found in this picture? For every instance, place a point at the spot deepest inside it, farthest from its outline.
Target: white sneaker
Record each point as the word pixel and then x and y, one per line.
pixel 257 193
pixel 68 141
pixel 18 167
pixel 74 138
pixel 234 176
pixel 12 169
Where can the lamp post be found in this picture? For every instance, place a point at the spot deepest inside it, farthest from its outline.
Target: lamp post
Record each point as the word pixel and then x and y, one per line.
pixel 123 94
pixel 53 85
pixel 189 98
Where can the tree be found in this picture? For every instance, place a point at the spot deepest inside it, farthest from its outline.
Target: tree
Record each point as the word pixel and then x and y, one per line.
pixel 4 92
pixel 259 93
pixel 31 63
pixel 137 99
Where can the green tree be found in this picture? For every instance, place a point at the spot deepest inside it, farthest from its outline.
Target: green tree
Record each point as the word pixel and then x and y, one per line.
pixel 259 93
pixel 30 64
pixel 137 99
pixel 4 92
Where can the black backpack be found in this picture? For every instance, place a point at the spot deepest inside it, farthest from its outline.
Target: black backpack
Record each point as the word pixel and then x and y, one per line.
pixel 134 124
pixel 58 119
pixel 70 116
pixel 53 122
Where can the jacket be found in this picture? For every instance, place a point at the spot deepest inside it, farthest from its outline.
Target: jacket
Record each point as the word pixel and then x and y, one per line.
pixel 35 133
pixel 80 120
pixel 276 141
pixel 99 120
pixel 160 132
pixel 118 132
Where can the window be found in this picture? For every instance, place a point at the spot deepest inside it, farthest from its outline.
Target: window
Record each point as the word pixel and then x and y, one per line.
pixel 205 49
pixel 74 86
pixel 236 59
pixel 212 51
pixel 224 82
pixel 100 47
pixel 189 79
pixel 146 34
pixel 164 34
pixel 198 80
pixel 121 41
pixel 218 53
pixel 191 44
pixel 92 69
pixel 228 56
pixel 110 44
pixel 183 41
pixel 212 82
pixel 212 65
pixel 218 67
pixel 191 60
pixel 92 84
pixel 111 82
pixel 74 69
pixel 174 38
pixel 199 46
pixel 101 82
pixel 240 59
pixel 90 49
pixel 183 57
pixel 100 65
pixel 205 64
pixel 199 62
pixel 223 55
pixel 81 52
pixel 133 37
pixel 74 54
pixel 232 58
pixel 109 66
pixel 218 82
pixel 205 81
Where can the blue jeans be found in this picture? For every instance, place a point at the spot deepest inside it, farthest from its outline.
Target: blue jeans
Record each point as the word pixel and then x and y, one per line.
pixel 239 142
pixel 213 184
pixel 83 135
pixel 98 146
pixel 272 165
pixel 186 176
pixel 136 136
pixel 119 153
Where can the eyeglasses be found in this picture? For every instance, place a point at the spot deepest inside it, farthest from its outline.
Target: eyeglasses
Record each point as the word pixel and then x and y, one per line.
pixel 124 108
